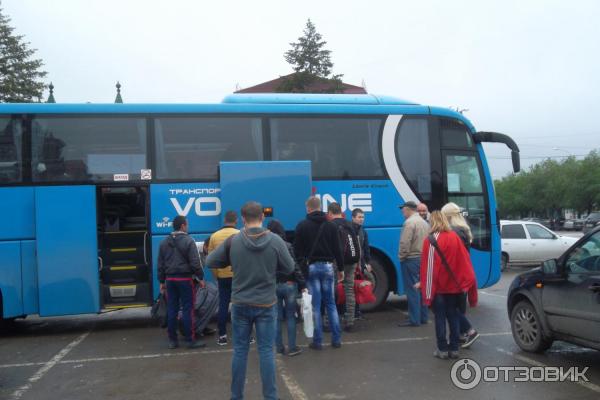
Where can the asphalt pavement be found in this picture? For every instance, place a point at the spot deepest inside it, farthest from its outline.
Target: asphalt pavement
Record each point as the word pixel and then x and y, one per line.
pixel 122 355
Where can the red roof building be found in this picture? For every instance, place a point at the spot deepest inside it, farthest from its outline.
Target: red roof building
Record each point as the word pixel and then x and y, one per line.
pixel 321 86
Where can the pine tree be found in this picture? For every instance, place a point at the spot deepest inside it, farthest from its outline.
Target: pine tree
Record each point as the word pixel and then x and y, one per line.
pixel 20 74
pixel 311 63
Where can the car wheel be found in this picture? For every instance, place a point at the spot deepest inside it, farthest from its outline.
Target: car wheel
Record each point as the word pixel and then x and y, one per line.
pixel 527 329
pixel 504 262
pixel 381 286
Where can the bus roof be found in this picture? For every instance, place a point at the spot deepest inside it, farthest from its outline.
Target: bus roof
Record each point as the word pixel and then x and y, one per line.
pixel 261 103
pixel 303 98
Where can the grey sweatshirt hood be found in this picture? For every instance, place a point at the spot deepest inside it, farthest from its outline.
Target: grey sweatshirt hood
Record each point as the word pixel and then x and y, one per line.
pixel 256 239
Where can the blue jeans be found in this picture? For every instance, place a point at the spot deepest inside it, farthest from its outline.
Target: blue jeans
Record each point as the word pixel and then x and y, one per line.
pixel 180 296
pixel 263 318
pixel 445 308
pixel 465 325
pixel 321 280
pixel 417 311
pixel 286 310
pixel 224 300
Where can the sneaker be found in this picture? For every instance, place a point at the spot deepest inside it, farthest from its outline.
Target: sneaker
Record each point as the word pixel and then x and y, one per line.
pixel 336 345
pixel 349 328
pixel 252 340
pixel 195 344
pixel 315 346
pixel 442 355
pixel 463 339
pixel 453 355
pixel 173 345
pixel 281 350
pixel 470 339
pixel 294 352
pixel 222 341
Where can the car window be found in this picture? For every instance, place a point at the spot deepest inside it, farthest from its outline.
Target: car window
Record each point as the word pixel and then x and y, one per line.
pixel 537 232
pixel 585 257
pixel 515 231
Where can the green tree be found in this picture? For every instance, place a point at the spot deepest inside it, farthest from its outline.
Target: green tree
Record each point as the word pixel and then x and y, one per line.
pixel 311 63
pixel 587 192
pixel 20 72
pixel 549 187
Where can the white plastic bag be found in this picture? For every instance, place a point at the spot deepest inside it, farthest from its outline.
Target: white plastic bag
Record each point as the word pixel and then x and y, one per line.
pixel 307 314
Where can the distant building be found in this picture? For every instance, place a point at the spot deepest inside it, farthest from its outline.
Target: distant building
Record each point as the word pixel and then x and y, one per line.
pixel 318 87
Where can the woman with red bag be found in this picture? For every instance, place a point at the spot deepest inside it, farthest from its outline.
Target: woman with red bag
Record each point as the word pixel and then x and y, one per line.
pixel 447 277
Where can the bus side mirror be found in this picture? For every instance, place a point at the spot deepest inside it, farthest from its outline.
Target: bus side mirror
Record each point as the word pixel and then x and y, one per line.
pixel 495 137
pixel 516 161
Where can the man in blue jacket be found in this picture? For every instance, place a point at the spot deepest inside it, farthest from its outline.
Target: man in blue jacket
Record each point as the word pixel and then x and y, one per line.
pixel 178 265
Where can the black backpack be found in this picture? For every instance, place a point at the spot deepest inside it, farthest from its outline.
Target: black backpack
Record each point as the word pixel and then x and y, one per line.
pixel 350 245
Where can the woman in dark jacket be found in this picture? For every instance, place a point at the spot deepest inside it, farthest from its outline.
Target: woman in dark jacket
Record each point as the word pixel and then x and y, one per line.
pixel 287 289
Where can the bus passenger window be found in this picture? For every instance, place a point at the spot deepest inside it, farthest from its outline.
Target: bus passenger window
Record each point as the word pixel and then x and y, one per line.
pixel 414 155
pixel 87 149
pixel 339 148
pixel 191 148
pixel 10 150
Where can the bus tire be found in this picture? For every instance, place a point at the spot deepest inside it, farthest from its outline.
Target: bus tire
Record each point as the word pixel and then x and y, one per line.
pixel 381 286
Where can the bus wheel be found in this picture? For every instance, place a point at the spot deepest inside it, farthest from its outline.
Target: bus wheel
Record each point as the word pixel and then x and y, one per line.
pixel 381 285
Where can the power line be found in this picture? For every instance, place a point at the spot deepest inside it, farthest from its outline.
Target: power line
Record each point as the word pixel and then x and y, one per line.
pixel 538 157
pixel 553 145
pixel 569 136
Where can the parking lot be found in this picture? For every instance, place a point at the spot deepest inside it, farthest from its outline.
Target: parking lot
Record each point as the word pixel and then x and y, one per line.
pixel 121 355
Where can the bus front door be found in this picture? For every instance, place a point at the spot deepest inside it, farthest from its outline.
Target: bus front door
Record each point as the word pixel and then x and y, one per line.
pixel 67 250
pixel 123 242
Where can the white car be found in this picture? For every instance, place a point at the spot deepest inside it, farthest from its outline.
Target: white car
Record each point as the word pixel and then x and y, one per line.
pixel 530 243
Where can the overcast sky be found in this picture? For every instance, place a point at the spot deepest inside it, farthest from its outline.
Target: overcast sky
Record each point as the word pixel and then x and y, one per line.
pixel 530 69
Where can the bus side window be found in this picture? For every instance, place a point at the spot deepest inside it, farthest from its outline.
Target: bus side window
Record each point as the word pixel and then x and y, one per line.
pixel 10 150
pixel 414 155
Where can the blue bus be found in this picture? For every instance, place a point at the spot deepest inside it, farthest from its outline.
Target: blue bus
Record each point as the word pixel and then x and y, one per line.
pixel 88 191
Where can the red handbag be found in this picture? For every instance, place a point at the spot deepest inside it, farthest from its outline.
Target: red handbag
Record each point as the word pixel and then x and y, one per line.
pixel 363 290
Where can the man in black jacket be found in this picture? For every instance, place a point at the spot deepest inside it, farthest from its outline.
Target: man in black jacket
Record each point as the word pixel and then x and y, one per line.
pixel 317 244
pixel 178 264
pixel 351 252
pixel 358 221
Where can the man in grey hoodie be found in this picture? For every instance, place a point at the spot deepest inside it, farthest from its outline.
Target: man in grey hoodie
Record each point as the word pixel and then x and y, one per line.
pixel 255 256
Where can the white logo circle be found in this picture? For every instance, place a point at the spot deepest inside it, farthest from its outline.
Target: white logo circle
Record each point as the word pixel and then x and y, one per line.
pixel 465 374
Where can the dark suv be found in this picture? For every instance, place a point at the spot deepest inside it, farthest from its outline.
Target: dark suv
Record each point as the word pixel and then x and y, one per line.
pixel 560 300
pixel 591 222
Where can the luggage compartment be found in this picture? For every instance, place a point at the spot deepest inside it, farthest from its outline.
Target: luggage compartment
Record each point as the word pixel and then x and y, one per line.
pixel 123 247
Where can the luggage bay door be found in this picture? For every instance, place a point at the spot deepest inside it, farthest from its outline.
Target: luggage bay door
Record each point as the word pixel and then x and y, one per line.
pixel 281 187
pixel 123 242
pixel 67 250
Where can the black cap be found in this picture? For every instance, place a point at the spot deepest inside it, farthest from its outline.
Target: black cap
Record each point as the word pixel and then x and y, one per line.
pixel 410 204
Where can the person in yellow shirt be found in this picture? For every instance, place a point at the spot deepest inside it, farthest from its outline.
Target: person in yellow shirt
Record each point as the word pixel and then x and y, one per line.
pixel 223 275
